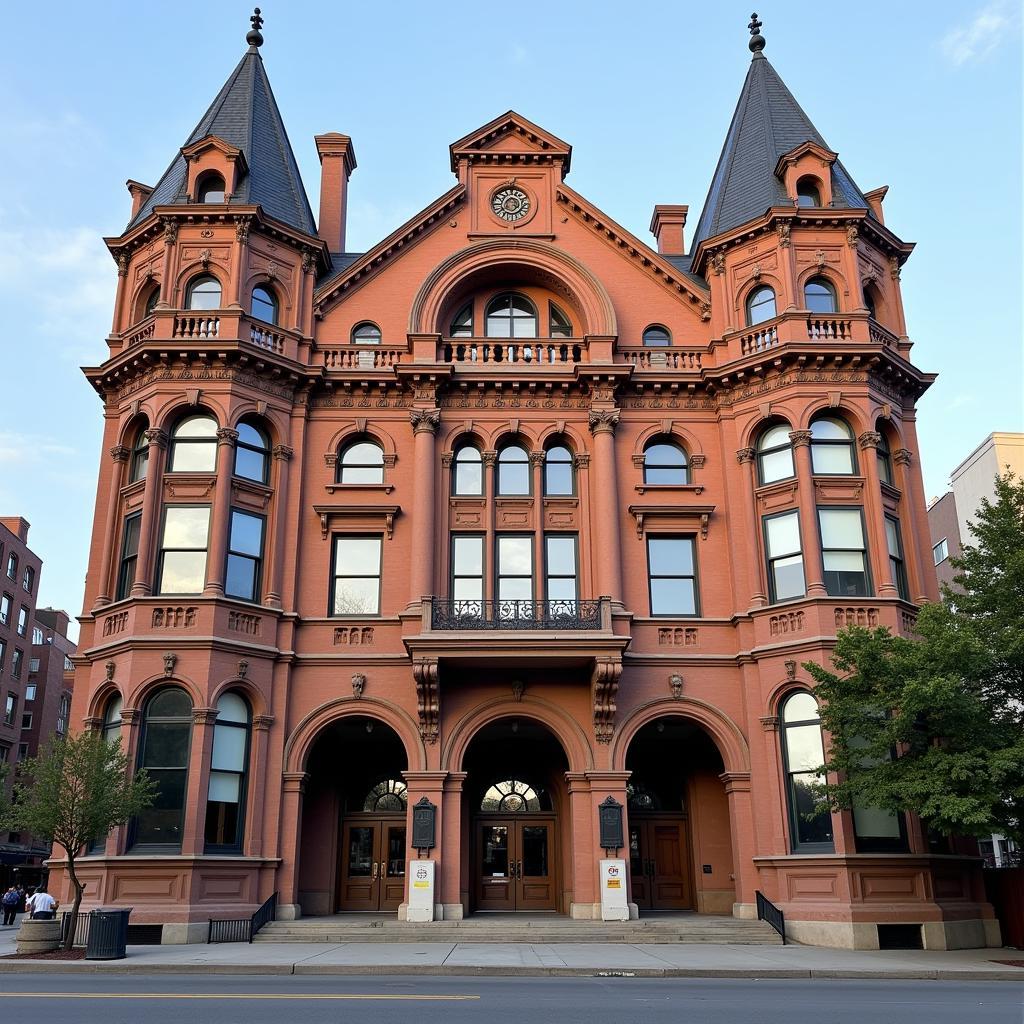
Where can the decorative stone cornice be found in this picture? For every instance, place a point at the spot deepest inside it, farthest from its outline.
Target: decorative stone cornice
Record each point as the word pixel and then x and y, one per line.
pixel 603 421
pixel 425 421
pixel 282 453
pixel 119 453
pixel 156 437
pixel 799 438
pixel 227 436
pixel 869 439
pixel 744 455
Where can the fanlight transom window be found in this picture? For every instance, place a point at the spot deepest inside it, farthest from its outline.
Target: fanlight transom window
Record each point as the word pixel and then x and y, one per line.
pixel 468 476
pixel 665 463
pixel 512 796
pixel 362 463
pixel 511 316
pixel 387 795
pixel 513 470
pixel 366 333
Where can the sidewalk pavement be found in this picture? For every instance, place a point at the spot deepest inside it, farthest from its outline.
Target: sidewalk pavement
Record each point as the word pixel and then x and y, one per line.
pixel 534 959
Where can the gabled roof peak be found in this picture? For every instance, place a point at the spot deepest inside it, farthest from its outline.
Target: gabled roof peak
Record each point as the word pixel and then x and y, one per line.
pixel 534 140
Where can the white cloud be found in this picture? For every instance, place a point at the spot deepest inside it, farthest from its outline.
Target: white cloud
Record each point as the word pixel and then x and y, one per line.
pixel 976 39
pixel 17 446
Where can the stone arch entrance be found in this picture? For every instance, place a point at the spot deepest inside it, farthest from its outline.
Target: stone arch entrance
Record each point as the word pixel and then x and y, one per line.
pixel 680 842
pixel 352 846
pixel 515 815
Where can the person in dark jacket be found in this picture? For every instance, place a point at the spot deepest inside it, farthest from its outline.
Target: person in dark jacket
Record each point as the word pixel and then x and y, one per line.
pixel 10 902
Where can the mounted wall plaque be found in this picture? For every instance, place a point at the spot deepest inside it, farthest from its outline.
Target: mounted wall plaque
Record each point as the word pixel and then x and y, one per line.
pixel 610 821
pixel 424 825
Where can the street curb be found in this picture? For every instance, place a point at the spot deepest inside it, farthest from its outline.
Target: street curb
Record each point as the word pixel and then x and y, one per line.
pixel 500 971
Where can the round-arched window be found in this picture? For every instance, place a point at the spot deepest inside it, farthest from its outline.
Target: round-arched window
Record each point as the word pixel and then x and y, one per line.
pixel 366 333
pixel 775 454
pixel 252 453
pixel 760 305
pixel 462 322
pixel 807 192
pixel 112 719
pixel 657 336
pixel 558 471
pixel 389 795
pixel 194 446
pixel 559 325
pixel 211 189
pixel 225 801
pixel 665 463
pixel 468 477
pixel 163 752
pixel 513 470
pixel 204 292
pixel 832 447
pixel 152 297
pixel 511 796
pixel 140 455
pixel 264 304
pixel 884 453
pixel 819 296
pixel 803 756
pixel 511 316
pixel 362 462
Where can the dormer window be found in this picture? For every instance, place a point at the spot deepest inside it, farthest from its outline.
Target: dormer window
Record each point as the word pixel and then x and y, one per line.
pixel 211 189
pixel 808 193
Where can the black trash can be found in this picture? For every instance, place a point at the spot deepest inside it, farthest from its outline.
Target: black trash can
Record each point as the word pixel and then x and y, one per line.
pixel 108 934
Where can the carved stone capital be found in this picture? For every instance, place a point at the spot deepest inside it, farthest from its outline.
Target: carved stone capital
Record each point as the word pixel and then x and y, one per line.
pixel 697 461
pixel 537 458
pixel 799 438
pixel 783 229
pixel 129 716
pixel 425 421
pixel 227 436
pixel 744 455
pixel 204 716
pixel 170 230
pixel 894 267
pixel 770 723
pixel 242 226
pixel 852 234
pixel 603 421
pixel 869 439
pixel 902 457
pixel 581 461
pixel 156 438
pixel 308 262
pixel 119 453
pixel 122 264
pixel 488 458
pixel 262 723
pixel 283 453
pixel 446 459
pixel 718 263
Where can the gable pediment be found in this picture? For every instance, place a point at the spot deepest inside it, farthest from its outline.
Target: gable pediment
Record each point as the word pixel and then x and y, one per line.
pixel 508 137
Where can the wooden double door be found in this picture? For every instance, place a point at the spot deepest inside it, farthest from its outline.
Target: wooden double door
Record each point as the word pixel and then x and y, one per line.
pixel 372 873
pixel 659 862
pixel 514 863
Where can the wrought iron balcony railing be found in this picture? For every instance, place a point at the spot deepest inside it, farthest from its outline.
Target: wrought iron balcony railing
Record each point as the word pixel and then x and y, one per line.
pixel 553 615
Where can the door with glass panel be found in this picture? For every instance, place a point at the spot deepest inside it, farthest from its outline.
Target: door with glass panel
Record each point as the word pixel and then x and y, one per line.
pixel 372 864
pixel 515 863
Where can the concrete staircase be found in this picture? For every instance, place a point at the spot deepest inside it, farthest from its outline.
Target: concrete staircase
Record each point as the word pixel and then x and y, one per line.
pixel 671 928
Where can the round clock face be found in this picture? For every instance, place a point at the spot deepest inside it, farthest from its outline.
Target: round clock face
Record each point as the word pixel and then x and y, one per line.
pixel 510 203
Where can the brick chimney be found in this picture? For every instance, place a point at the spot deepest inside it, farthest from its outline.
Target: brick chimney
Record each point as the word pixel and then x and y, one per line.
pixel 139 193
pixel 17 526
pixel 667 225
pixel 337 162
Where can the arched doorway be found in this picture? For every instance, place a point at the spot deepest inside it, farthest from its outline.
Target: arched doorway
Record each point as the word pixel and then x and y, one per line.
pixel 514 796
pixel 353 838
pixel 680 847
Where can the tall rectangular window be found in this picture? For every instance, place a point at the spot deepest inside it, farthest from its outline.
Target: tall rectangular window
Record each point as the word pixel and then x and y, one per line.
pixel 5 609
pixel 16 662
pixel 940 552
pixel 12 566
pixel 468 571
pixel 129 555
pixel 3 653
pixel 896 563
pixel 245 556
pixel 26 720
pixel 843 552
pixel 560 568
pixel 30 692
pixel 22 620
pixel 515 570
pixel 785 556
pixel 28 581
pixel 183 544
pixel 9 708
pixel 355 585
pixel 672 575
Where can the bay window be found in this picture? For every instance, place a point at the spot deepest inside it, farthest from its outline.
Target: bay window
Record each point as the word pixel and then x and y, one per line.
pixel 784 556
pixel 183 545
pixel 844 552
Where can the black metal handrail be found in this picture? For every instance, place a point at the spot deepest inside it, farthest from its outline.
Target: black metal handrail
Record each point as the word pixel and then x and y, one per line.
pixel 767 911
pixel 245 928
pixel 447 613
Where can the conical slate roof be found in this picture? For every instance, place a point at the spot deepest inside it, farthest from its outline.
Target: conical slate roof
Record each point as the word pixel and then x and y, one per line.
pixel 767 122
pixel 245 115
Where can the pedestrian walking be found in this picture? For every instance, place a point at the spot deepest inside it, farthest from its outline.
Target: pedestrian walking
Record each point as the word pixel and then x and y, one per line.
pixel 41 905
pixel 10 902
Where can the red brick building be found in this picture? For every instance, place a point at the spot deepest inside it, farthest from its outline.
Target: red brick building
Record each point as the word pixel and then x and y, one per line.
pixel 514 513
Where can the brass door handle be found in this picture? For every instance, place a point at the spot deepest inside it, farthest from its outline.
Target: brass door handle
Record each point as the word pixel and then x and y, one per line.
pixel 519 869
pixel 374 870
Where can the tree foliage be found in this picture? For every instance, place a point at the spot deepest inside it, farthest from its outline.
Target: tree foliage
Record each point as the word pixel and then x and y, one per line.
pixel 73 793
pixel 934 723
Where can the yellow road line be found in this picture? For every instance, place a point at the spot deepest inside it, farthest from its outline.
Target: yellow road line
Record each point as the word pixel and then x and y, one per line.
pixel 404 997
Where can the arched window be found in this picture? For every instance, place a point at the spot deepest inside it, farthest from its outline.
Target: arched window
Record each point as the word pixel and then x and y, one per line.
pixel 211 189
pixel 832 447
pixel 140 456
pixel 112 719
pixel 513 470
pixel 558 474
pixel 194 446
pixel 462 322
pixel 884 454
pixel 252 453
pixel 389 795
pixel 559 325
pixel 657 336
pixel 819 296
pixel 807 192
pixel 264 304
pixel 151 300
pixel 775 454
pixel 511 796
pixel 163 752
pixel 511 316
pixel 810 826
pixel 225 801
pixel 366 333
pixel 760 305
pixel 869 302
pixel 203 293
pixel 362 462
pixel 665 463
pixel 468 477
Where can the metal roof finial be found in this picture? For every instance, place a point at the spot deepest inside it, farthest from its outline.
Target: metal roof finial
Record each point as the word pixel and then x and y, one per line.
pixel 254 37
pixel 756 43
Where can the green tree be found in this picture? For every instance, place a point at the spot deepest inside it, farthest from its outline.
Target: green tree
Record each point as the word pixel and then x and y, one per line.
pixel 934 722
pixel 73 793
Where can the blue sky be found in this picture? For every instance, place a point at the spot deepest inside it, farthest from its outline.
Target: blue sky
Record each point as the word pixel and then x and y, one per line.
pixel 923 97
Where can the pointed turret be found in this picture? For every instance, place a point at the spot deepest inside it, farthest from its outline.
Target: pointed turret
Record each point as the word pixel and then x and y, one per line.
pixel 245 116
pixel 767 124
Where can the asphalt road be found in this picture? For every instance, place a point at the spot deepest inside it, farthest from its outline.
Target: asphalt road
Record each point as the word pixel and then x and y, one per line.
pixel 219 999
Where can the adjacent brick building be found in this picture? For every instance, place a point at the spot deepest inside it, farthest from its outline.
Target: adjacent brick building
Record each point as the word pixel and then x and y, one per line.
pixel 514 513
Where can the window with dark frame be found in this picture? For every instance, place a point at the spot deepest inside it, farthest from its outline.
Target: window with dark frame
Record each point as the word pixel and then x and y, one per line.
pixel 775 455
pixel 203 293
pixel 807 193
pixel 30 692
pixel 884 456
pixel 513 471
pixel 559 325
pixel 129 555
pixel 264 304
pixel 844 552
pixel 225 802
pixel 656 336
pixel 5 609
pixel 940 552
pixel 355 583
pixel 510 316
pixel 3 653
pixel 832 447
pixel 244 570
pixel 820 296
pixel 139 457
pixel 559 478
pixel 361 462
pixel 468 571
pixel 16 662
pixel 665 463
pixel 561 567
pixel 514 571
pixel 252 453
pixel 672 575
pixel 897 565
pixel 10 708
pixel 28 580
pixel 366 333
pixel 211 189
pixel 462 322
pixel 784 554
pixel 467 474
pixel 810 827
pixel 760 305
pixel 12 566
pixel 194 446
pixel 183 549
pixel 26 720
pixel 22 628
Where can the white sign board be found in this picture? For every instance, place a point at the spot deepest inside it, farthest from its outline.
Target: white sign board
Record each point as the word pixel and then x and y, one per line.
pixel 613 891
pixel 421 891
